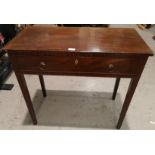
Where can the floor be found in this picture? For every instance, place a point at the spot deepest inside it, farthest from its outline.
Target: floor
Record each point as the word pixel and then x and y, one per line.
pixel 82 102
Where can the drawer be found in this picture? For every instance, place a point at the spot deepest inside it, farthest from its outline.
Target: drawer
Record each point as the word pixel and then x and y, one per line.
pixel 77 64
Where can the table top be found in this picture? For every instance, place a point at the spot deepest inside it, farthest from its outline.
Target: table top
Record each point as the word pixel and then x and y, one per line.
pixel 63 39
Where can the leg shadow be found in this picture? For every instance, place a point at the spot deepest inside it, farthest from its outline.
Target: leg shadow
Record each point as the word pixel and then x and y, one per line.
pixel 90 110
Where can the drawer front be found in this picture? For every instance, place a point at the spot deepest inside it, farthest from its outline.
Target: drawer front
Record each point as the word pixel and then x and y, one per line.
pixel 76 64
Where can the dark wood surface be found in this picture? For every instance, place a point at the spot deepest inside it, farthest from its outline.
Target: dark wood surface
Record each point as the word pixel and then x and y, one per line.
pixel 95 40
pixel 101 52
pixel 77 64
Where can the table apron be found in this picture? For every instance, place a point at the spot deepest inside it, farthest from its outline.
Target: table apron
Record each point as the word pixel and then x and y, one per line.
pixel 78 66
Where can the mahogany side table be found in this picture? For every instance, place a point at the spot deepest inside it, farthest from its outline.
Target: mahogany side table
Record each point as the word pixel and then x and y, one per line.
pixel 100 52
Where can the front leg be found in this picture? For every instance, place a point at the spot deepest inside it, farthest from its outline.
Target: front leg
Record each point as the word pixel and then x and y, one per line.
pixel 129 95
pixel 25 92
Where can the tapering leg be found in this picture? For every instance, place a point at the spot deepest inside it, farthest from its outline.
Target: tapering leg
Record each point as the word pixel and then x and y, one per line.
pixel 129 95
pixel 42 85
pixel 116 88
pixel 24 89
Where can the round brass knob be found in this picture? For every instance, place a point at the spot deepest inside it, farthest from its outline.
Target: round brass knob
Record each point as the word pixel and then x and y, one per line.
pixel 111 67
pixel 42 65
pixel 76 61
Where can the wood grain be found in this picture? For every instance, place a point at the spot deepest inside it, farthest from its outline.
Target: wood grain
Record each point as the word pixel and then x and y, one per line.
pixel 92 64
pixel 95 40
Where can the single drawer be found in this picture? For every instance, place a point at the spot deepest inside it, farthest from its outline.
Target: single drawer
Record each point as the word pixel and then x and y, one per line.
pixel 77 64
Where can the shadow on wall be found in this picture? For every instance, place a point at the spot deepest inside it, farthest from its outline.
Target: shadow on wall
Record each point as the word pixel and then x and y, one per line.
pixel 89 110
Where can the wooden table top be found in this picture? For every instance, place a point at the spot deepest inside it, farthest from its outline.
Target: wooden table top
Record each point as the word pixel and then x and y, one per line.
pixel 62 39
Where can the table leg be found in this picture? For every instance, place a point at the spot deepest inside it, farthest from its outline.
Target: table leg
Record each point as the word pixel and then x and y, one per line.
pixel 42 85
pixel 129 95
pixel 116 88
pixel 25 92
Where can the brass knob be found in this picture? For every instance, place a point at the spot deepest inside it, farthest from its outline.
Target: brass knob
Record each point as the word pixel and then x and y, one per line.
pixel 42 65
pixel 111 67
pixel 76 61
